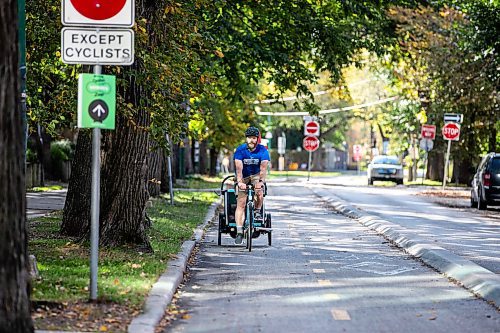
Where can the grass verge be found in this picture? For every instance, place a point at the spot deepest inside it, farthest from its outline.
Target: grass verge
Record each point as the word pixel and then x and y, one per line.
pixel 125 275
pixel 199 182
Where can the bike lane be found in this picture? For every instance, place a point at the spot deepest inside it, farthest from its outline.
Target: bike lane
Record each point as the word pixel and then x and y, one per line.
pixel 324 272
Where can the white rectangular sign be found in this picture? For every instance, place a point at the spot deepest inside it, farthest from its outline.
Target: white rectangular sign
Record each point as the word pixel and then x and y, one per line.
pixel 97 46
pixel 454 117
pixel 103 13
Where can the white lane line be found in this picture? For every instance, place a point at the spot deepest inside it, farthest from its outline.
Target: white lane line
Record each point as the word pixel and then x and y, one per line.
pixel 339 314
pixel 306 253
pixel 315 261
pixel 318 270
pixel 325 283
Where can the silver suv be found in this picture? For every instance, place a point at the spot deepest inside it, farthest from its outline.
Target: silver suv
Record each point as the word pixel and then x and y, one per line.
pixel 486 183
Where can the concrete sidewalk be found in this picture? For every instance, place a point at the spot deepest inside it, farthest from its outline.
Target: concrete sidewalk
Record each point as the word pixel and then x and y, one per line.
pixel 42 203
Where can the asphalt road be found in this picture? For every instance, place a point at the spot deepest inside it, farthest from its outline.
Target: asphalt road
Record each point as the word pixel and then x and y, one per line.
pixel 324 273
pixel 467 232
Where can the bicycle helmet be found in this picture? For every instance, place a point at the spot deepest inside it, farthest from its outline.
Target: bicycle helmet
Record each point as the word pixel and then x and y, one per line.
pixel 252 131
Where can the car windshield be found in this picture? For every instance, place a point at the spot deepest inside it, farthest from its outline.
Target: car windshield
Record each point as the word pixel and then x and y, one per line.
pixel 393 160
pixel 495 165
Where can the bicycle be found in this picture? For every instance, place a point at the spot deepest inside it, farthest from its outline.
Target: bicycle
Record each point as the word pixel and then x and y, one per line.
pixel 252 228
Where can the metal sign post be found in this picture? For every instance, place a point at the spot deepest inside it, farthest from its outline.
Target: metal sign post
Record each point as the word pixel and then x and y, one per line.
pixel 445 175
pixel 170 176
pixel 95 201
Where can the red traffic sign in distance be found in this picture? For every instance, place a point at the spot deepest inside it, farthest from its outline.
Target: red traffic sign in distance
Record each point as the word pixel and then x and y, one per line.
pixel 428 132
pixel 112 13
pixel 310 143
pixel 451 131
pixel 311 127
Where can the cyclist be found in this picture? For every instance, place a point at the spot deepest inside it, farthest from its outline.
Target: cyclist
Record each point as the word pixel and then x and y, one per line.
pixel 250 160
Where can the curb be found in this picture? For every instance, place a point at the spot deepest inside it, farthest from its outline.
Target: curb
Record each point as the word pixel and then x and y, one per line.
pixel 163 290
pixel 477 279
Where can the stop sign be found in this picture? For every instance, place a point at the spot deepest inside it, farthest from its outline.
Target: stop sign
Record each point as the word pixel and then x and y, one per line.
pixel 451 131
pixel 311 127
pixel 310 143
pixel 112 13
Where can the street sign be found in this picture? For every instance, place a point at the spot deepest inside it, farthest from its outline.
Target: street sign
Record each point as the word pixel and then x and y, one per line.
pixel 428 132
pixel 311 127
pixel 97 46
pixel 453 117
pixel 96 101
pixel 426 144
pixel 310 143
pixel 356 153
pixel 451 131
pixel 102 13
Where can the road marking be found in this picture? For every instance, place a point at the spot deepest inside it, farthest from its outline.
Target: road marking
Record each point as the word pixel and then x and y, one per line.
pixel 325 283
pixel 330 296
pixel 339 314
pixel 306 253
pixel 315 261
pixel 318 270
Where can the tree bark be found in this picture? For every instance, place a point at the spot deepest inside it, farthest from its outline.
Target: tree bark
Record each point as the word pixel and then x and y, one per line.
pixel 124 171
pixel 14 277
pixel 203 158
pixel 76 214
pixel 213 161
pixel 154 163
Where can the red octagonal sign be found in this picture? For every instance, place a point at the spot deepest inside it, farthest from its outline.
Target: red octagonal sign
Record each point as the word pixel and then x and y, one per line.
pixel 106 13
pixel 451 131
pixel 310 143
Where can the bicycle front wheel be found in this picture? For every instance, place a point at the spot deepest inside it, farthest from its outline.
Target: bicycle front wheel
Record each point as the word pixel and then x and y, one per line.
pixel 250 211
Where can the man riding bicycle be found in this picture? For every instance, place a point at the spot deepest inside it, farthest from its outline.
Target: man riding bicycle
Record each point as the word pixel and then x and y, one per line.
pixel 251 160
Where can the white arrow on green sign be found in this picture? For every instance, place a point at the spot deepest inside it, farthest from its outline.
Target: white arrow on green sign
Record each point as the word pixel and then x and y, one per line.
pixel 96 101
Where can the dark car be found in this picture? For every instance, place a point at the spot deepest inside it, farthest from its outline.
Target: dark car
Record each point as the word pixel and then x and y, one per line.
pixel 486 183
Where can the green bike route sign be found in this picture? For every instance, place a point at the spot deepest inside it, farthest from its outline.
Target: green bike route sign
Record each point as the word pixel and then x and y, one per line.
pixel 96 101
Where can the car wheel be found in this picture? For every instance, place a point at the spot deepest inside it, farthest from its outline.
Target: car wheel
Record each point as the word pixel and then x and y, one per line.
pixel 481 205
pixel 399 182
pixel 473 203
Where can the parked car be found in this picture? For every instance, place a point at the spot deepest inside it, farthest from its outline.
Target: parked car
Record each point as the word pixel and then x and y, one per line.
pixel 486 183
pixel 384 167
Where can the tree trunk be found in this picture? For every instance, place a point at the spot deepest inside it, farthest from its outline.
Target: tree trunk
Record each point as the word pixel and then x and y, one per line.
pixel 203 158
pixel 154 172
pixel 14 277
pixel 124 173
pixel 76 214
pixel 213 161
pixel 435 166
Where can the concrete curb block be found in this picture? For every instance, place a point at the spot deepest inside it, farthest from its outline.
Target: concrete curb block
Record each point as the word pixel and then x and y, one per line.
pixel 472 276
pixel 164 289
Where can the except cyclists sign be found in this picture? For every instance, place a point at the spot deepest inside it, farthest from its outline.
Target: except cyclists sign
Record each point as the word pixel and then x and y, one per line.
pixel 116 13
pixel 451 131
pixel 310 143
pixel 311 127
pixel 97 46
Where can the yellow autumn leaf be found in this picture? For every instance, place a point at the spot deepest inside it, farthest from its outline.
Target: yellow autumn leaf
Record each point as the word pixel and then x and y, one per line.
pixel 219 54
pixel 103 328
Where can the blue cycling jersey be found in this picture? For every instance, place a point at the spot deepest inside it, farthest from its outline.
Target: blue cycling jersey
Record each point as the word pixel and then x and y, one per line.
pixel 251 159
